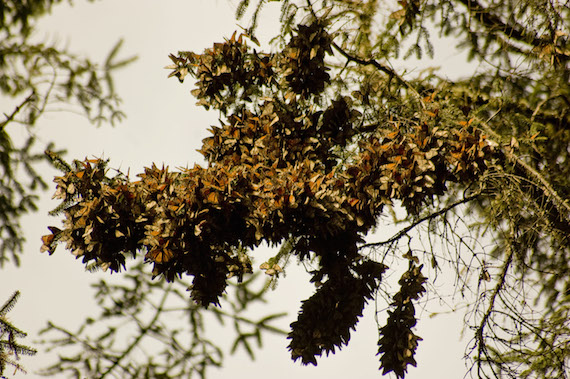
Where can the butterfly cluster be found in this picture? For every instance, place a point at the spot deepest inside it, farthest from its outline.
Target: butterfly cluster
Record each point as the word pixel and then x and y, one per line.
pixel 276 171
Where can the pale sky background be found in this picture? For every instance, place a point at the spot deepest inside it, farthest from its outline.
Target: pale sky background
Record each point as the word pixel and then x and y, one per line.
pixel 164 126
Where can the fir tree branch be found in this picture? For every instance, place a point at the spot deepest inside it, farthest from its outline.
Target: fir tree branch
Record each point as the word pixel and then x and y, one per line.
pixel 11 116
pixel 247 321
pixel 6 326
pixel 9 346
pixel 74 339
pixel 143 332
pixel 493 22
pixel 8 305
pixel 562 206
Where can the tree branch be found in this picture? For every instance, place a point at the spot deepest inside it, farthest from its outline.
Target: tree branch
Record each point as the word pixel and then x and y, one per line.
pixel 371 62
pixel 562 206
pixel 479 333
pixel 404 231
pixel 10 117
pixel 385 69
pixel 260 324
pixel 493 22
pixel 143 332
pixel 75 339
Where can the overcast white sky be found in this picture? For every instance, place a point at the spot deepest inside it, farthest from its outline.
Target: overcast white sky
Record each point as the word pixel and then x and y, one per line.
pixel 164 126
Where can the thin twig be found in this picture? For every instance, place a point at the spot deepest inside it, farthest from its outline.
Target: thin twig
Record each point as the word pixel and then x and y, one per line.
pixel 485 319
pixel 404 231
pixel 10 117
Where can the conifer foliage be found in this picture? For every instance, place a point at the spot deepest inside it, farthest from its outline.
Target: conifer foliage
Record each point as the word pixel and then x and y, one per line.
pixel 37 77
pixel 310 153
pixel 10 349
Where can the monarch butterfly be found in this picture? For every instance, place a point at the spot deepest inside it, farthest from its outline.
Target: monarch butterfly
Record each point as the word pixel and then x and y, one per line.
pixel 160 256
pixel 48 241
